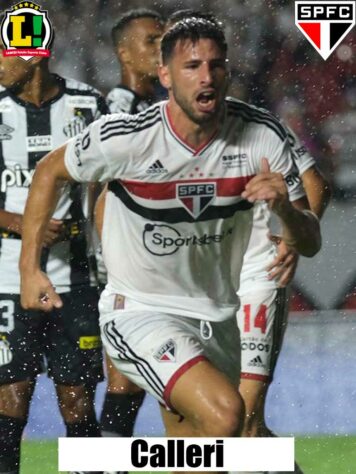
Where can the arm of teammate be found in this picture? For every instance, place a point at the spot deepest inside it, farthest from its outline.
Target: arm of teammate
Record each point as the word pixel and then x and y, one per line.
pixel 318 193
pixel 301 229
pixel 12 222
pixel 51 173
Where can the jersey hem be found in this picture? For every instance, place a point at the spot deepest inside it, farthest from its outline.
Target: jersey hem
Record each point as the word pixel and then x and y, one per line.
pixel 257 377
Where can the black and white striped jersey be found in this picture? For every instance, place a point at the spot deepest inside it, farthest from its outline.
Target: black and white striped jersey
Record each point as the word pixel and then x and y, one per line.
pixel 123 99
pixel 27 133
pixel 175 225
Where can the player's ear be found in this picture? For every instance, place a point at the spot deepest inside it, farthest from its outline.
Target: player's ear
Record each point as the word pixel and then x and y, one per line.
pixel 123 54
pixel 164 76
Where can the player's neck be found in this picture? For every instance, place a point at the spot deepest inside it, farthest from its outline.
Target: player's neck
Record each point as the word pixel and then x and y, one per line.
pixel 40 88
pixel 195 135
pixel 141 85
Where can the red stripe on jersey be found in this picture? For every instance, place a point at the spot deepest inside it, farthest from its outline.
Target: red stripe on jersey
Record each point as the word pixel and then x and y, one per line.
pixel 225 187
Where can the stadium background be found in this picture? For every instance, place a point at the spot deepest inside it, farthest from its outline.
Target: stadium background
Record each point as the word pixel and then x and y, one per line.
pixel 273 65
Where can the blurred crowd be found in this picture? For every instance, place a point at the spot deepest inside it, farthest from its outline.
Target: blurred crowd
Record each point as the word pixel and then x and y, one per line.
pixel 273 65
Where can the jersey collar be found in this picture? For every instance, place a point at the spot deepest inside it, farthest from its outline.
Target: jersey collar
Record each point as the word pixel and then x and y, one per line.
pixel 171 129
pixel 29 105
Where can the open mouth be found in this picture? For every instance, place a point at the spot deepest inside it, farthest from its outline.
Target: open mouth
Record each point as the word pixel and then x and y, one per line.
pixel 206 100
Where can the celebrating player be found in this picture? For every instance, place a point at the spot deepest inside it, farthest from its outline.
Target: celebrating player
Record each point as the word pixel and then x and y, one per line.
pixel 38 112
pixel 173 242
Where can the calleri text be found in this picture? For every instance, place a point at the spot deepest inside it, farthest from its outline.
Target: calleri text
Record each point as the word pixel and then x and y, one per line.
pixel 177 453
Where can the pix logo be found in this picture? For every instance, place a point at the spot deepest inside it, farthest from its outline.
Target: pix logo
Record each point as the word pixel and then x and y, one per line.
pixel 26 31
pixel 325 23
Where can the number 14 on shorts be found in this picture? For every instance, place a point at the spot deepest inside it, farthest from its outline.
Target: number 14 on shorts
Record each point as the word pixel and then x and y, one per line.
pixel 259 320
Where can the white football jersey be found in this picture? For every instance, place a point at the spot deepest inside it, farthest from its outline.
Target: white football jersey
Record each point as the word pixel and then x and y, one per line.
pixel 261 251
pixel 175 225
pixel 27 133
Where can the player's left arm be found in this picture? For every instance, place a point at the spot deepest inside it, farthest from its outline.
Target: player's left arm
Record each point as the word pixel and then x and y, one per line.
pixel 301 229
pixel 317 189
pixel 318 193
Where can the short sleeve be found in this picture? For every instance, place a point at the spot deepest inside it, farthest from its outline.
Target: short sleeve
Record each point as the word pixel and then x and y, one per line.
pixel 302 158
pixel 102 151
pixel 277 149
pixel 85 158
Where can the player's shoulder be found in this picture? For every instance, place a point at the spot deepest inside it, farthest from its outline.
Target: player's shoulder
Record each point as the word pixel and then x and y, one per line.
pixel 3 92
pixel 257 117
pixel 79 94
pixel 118 124
pixel 120 99
pixel 75 87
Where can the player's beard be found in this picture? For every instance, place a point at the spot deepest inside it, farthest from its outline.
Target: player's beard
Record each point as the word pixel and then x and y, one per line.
pixel 199 119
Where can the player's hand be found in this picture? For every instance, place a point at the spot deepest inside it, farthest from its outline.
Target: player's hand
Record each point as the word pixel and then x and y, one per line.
pixel 54 232
pixel 270 187
pixel 283 267
pixel 37 292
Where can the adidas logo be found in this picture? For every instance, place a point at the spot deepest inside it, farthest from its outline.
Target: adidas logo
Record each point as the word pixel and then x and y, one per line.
pixel 256 362
pixel 156 168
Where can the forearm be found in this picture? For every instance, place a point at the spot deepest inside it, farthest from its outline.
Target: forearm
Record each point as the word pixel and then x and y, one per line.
pixel 10 221
pixel 317 189
pixel 301 230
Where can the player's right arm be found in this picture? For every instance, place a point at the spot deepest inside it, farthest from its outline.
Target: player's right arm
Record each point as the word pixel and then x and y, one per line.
pixel 51 173
pixel 86 158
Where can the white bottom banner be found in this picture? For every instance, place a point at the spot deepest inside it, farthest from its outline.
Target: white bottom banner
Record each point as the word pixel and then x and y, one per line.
pixel 176 454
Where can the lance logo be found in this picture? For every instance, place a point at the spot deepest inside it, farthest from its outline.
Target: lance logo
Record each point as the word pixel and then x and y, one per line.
pixel 325 23
pixel 26 31
pixel 196 196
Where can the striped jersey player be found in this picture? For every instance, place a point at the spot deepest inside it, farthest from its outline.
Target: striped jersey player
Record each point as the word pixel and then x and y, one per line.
pixel 27 133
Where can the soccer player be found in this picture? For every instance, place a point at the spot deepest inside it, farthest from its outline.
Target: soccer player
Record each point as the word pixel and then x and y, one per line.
pixel 136 38
pixel 38 112
pixel 173 242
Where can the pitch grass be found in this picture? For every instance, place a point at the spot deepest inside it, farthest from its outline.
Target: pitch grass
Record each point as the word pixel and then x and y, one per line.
pixel 327 455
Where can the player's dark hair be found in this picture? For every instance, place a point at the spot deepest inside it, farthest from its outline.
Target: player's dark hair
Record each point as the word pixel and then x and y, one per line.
pixel 185 13
pixel 125 20
pixel 192 29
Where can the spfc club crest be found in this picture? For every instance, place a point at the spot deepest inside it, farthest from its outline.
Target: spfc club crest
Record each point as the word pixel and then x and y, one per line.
pixel 196 197
pixel 167 352
pixel 325 23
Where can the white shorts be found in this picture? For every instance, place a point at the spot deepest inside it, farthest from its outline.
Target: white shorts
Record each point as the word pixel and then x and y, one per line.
pixel 153 349
pixel 262 320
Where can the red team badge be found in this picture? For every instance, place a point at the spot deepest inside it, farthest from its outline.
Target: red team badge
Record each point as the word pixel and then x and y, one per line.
pixel 325 23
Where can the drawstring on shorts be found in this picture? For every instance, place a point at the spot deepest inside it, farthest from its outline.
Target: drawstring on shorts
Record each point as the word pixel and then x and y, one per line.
pixel 206 331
